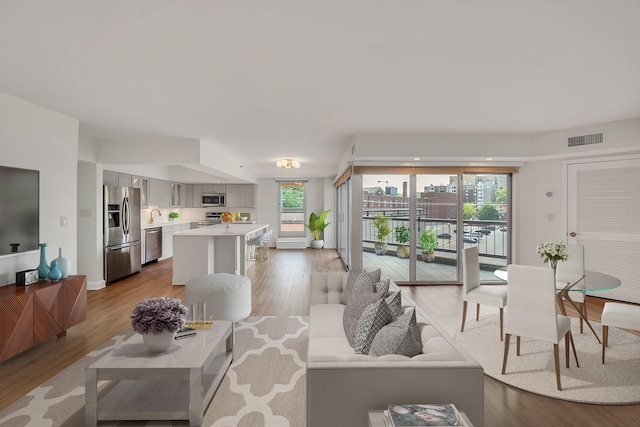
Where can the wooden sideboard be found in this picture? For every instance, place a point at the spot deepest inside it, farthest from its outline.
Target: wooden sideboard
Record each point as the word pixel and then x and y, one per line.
pixel 32 314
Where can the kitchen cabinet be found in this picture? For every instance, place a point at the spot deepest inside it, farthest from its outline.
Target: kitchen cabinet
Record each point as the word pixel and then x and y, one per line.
pixel 143 184
pixel 214 188
pixel 188 203
pixel 167 237
pixel 116 178
pixel 241 196
pixel 159 192
pixel 196 195
pixel 178 195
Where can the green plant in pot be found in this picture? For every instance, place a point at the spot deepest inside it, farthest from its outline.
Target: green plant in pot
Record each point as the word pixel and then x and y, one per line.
pixel 173 216
pixel 428 243
pixel 381 230
pixel 401 234
pixel 317 225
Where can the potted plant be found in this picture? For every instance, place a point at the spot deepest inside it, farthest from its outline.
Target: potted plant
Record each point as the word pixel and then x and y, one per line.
pixel 382 230
pixel 317 225
pixel 401 234
pixel 428 243
pixel 158 320
pixel 173 216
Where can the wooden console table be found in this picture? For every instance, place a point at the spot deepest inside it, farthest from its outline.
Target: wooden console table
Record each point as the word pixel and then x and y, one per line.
pixel 32 314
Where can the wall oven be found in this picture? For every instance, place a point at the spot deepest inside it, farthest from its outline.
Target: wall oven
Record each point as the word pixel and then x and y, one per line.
pixel 213 200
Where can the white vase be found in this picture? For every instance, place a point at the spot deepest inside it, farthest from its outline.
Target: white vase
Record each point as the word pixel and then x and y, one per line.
pixel 159 342
pixel 64 264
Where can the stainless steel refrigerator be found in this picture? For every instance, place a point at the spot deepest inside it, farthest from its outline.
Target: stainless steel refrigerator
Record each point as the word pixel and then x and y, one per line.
pixel 121 230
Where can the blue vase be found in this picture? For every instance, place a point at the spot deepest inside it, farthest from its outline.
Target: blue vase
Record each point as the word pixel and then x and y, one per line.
pixel 43 268
pixel 54 271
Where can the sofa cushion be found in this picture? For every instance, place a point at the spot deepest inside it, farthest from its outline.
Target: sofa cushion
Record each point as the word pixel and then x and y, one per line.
pixel 398 337
pixel 358 277
pixel 394 301
pixel 373 318
pixel 356 305
pixel 327 321
pixel 382 286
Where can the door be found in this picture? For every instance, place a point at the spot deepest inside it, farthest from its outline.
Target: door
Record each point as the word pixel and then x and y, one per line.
pixel 291 212
pixel 603 201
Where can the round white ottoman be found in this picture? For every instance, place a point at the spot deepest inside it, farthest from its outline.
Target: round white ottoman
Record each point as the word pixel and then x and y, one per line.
pixel 226 296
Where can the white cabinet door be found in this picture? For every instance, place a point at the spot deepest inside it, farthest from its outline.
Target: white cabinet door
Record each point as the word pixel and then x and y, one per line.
pixel 124 180
pixel 214 188
pixel 248 196
pixel 159 192
pixel 188 201
pixel 178 194
pixel 196 196
pixel 109 178
pixel 143 184
pixel 233 196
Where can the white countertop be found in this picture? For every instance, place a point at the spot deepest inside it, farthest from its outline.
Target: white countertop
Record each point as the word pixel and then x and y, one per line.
pixel 234 229
pixel 164 224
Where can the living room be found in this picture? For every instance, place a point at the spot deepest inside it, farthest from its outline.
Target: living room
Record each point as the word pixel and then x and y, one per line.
pixel 520 119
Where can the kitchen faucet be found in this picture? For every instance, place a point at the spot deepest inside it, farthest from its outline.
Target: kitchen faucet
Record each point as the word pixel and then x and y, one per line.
pixel 151 215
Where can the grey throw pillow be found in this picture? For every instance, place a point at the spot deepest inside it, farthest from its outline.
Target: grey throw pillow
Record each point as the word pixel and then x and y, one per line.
pixel 394 301
pixel 353 310
pixel 359 277
pixel 383 286
pixel 373 318
pixel 398 337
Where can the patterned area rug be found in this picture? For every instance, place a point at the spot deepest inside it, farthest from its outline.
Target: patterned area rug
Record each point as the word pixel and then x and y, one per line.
pixel 265 385
pixel 614 383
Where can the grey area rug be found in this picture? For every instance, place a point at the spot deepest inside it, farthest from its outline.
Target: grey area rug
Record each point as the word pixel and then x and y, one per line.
pixel 614 383
pixel 265 385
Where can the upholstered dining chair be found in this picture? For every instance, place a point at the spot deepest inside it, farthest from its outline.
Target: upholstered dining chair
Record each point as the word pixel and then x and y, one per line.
pixel 473 291
pixel 572 271
pixel 532 313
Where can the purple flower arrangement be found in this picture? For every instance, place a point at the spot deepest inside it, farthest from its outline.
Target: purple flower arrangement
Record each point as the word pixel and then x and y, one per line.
pixel 155 315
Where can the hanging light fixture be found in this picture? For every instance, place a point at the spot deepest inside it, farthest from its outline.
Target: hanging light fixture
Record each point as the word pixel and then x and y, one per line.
pixel 287 163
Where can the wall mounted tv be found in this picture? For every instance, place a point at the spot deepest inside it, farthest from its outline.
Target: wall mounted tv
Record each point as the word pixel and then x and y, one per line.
pixel 19 210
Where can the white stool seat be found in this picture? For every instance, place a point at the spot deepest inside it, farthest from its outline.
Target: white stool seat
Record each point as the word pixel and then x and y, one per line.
pixel 226 296
pixel 625 316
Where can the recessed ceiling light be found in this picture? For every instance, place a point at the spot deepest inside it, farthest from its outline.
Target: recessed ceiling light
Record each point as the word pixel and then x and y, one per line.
pixel 416 158
pixel 489 158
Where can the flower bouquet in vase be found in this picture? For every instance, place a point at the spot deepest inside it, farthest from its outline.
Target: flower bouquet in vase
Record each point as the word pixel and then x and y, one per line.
pixel 552 253
pixel 158 320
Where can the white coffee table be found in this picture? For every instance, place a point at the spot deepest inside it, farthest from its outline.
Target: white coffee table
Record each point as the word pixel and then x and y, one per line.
pixel 177 384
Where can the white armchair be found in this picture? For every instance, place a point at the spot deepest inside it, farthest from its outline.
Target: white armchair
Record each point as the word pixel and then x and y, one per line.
pixel 532 313
pixel 473 291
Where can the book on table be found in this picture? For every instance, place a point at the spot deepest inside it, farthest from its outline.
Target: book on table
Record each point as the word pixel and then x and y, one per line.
pixel 185 332
pixel 428 414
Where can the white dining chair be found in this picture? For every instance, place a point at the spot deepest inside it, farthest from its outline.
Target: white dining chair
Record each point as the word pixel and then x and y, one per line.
pixel 572 271
pixel 473 291
pixel 532 313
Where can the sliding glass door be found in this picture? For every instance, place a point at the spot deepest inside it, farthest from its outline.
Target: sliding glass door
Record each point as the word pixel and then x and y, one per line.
pixel 291 212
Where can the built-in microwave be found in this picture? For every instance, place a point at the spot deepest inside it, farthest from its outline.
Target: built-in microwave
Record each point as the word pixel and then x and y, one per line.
pixel 213 199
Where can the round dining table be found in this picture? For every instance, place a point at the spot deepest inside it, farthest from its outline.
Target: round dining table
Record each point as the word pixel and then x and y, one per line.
pixel 592 281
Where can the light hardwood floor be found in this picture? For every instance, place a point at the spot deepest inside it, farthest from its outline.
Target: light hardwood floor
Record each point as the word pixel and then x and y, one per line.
pixel 280 287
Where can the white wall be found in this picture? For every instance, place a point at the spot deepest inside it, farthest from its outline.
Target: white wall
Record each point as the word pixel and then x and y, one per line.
pixel 32 137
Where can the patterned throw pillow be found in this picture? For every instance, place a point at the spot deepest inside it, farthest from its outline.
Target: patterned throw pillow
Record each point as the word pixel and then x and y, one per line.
pixel 353 310
pixel 373 318
pixel 394 301
pixel 398 337
pixel 358 277
pixel 383 286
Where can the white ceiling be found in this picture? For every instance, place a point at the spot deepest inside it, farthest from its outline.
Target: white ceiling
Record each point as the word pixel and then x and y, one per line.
pixel 273 78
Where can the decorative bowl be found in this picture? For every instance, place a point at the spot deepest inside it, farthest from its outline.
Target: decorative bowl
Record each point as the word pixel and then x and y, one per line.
pixel 244 218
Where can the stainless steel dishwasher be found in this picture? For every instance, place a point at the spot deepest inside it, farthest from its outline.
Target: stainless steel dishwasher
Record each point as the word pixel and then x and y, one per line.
pixel 153 244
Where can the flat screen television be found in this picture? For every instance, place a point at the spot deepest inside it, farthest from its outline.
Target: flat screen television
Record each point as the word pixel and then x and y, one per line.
pixel 19 210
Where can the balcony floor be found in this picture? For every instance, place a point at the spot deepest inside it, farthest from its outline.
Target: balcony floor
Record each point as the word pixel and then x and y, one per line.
pixel 397 269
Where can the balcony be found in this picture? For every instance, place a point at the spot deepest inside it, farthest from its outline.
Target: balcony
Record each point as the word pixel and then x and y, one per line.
pixel 489 236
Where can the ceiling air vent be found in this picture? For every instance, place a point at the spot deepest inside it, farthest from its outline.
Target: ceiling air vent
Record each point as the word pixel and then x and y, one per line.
pixel 594 138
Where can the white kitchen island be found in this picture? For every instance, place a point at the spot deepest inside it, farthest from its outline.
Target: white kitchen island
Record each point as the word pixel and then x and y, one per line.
pixel 216 249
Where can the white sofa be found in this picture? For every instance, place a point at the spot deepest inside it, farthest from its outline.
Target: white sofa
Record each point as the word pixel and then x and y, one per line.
pixel 343 386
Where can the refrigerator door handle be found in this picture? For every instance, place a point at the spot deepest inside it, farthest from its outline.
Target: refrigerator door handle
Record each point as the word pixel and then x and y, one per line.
pixel 122 246
pixel 126 215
